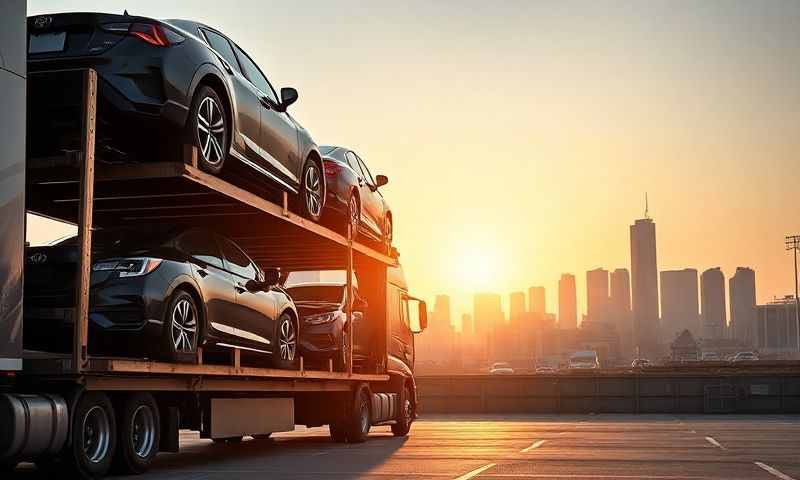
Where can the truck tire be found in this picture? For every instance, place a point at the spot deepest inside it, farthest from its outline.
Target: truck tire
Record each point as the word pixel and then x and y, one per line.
pixel 360 420
pixel 93 436
pixel 405 415
pixel 338 432
pixel 139 433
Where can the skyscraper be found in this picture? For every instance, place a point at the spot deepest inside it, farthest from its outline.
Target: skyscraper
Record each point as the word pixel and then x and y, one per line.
pixel 567 303
pixel 644 285
pixel 441 310
pixel 679 305
pixel 467 329
pixel 536 300
pixel 597 298
pixel 487 313
pixel 516 306
pixel 620 301
pixel 712 303
pixel 743 305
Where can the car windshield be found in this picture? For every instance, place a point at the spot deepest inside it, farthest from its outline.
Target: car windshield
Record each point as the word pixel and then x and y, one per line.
pixel 317 293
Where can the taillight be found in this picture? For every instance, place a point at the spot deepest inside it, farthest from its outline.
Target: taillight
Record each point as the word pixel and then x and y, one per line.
pixel 152 33
pixel 332 168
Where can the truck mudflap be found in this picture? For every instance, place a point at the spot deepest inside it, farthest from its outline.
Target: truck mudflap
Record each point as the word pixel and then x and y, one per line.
pixel 33 426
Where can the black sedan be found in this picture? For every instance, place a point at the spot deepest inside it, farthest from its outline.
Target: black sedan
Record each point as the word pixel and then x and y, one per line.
pixel 160 292
pixel 165 83
pixel 322 308
pixel 354 197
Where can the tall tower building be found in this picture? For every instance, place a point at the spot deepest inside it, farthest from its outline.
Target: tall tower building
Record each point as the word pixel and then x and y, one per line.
pixel 743 305
pixel 644 285
pixel 516 306
pixel 567 303
pixel 620 310
pixel 536 300
pixel 597 298
pixel 712 303
pixel 487 313
pixel 679 305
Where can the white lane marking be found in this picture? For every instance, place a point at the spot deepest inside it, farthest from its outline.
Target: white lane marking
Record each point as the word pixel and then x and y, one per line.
pixel 715 443
pixel 536 444
pixel 561 475
pixel 476 472
pixel 774 471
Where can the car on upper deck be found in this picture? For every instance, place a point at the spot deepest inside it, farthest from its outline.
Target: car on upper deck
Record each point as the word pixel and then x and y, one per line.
pixel 166 83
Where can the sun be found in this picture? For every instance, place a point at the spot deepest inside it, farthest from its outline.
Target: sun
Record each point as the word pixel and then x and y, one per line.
pixel 477 266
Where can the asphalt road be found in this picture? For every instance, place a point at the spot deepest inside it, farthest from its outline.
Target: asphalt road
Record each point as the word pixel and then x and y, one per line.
pixel 509 447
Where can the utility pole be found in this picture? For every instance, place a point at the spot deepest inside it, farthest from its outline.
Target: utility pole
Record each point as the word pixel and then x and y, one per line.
pixel 793 243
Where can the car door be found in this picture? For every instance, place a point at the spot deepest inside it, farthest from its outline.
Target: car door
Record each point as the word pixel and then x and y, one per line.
pixel 371 204
pixel 278 139
pixel 246 96
pixel 255 310
pixel 216 284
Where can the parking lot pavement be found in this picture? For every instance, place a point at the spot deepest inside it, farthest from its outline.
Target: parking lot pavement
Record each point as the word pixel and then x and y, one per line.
pixel 643 447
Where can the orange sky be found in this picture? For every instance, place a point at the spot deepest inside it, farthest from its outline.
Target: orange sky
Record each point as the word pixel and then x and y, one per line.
pixel 520 138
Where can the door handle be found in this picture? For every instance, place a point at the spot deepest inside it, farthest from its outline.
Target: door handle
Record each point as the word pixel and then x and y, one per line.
pixel 202 272
pixel 240 288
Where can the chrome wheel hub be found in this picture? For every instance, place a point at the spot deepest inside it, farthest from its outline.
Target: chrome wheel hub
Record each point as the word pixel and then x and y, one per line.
pixel 96 434
pixel 211 131
pixel 184 326
pixel 355 215
pixel 313 190
pixel 143 428
pixel 287 339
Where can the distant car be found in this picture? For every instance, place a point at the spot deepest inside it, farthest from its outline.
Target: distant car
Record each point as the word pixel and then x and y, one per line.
pixel 165 83
pixel 745 357
pixel 160 292
pixel 640 363
pixel 709 357
pixel 546 369
pixel 322 308
pixel 354 196
pixel 584 360
pixel 501 368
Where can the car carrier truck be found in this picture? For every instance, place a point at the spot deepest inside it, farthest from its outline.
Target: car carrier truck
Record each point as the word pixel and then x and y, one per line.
pixel 84 412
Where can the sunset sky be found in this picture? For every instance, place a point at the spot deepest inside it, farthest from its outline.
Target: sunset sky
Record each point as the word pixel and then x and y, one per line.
pixel 520 137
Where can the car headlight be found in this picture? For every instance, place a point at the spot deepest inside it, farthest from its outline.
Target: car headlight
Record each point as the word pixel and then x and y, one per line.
pixel 321 318
pixel 128 267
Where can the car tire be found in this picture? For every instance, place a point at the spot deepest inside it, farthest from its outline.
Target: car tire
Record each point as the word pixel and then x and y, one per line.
pixel 360 421
pixel 312 191
pixel 139 433
pixel 208 129
pixel 285 355
pixel 405 416
pixel 93 436
pixel 181 329
pixel 353 220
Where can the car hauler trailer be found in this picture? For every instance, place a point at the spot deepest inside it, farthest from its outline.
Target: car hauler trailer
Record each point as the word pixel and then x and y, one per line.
pixel 79 408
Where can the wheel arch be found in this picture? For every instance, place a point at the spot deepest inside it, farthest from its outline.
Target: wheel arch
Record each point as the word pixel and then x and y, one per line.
pixel 210 76
pixel 188 285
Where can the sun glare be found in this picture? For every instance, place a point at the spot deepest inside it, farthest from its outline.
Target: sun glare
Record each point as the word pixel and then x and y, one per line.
pixel 477 267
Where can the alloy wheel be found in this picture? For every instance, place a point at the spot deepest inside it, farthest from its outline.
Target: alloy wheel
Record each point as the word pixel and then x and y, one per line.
pixel 287 341
pixel 313 190
pixel 96 434
pixel 184 326
pixel 211 131
pixel 355 215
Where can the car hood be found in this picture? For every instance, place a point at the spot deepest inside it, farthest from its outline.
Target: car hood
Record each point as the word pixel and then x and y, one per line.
pixel 312 308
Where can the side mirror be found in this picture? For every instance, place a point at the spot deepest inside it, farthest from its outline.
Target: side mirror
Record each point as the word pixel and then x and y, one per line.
pixel 360 303
pixel 381 180
pixel 288 96
pixel 272 277
pixel 423 317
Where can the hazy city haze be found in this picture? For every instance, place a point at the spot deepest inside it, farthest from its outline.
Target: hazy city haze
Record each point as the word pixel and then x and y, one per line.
pixel 520 138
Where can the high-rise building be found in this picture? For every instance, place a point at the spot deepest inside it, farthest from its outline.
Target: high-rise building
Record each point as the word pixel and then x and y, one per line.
pixel 536 300
pixel 516 306
pixel 597 299
pixel 679 305
pixel 620 301
pixel 776 328
pixel 467 329
pixel 441 310
pixel 567 303
pixel 742 288
pixel 712 304
pixel 644 286
pixel 487 312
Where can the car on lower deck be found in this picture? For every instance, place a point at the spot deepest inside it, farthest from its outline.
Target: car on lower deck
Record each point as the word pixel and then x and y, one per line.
pixel 160 291
pixel 166 83
pixel 354 196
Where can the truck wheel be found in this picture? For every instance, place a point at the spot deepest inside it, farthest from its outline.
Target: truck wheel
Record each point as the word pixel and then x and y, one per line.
pixel 285 356
pixel 359 422
pixel 93 436
pixel 405 416
pixel 338 432
pixel 138 425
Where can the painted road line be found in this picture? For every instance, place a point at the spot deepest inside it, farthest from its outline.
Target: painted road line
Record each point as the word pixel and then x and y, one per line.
pixel 774 471
pixel 536 444
pixel 715 443
pixel 476 472
pixel 591 476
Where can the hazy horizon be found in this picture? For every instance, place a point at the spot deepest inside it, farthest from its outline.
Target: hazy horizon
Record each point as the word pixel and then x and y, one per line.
pixel 520 138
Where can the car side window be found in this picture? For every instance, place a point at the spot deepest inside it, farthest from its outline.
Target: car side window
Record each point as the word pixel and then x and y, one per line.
pixel 222 46
pixel 367 174
pixel 237 262
pixel 201 246
pixel 353 162
pixel 253 73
